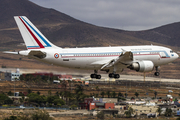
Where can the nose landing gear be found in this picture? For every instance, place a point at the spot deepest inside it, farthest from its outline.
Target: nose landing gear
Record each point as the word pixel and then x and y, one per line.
pixel 157 73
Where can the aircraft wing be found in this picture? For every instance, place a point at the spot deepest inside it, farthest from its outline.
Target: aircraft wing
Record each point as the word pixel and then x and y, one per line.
pixel 121 61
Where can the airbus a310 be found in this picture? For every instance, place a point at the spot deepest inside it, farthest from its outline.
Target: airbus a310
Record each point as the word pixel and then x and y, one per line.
pixel 113 60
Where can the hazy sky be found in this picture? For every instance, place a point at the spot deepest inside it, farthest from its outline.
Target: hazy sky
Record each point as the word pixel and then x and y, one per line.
pixel 121 14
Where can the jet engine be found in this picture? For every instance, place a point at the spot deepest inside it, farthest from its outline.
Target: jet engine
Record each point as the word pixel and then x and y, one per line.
pixel 142 66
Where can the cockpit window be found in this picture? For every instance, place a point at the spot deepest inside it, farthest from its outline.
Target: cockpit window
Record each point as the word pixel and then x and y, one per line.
pixel 171 51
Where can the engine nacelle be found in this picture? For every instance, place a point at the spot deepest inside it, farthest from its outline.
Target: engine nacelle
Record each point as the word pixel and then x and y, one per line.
pixel 142 66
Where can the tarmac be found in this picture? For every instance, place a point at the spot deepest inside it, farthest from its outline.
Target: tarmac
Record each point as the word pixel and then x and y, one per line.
pixel 87 75
pixel 135 78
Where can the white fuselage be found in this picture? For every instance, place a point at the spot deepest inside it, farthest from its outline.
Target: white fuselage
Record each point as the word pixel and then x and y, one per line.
pixel 139 58
pixel 109 59
pixel 94 58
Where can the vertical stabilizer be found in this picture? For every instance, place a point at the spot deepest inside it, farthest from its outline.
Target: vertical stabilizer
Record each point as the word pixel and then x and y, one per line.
pixel 32 37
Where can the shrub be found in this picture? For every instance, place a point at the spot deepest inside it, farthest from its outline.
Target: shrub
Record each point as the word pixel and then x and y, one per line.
pixel 73 106
pixel 41 115
pixel 37 115
pixel 11 118
pixel 4 105
pixel 3 66
pixel 129 112
pixel 168 112
pixel 100 115
pixel 4 99
pixel 178 118
pixel 59 101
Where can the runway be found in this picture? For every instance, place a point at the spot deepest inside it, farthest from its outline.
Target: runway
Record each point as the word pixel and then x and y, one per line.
pixel 86 76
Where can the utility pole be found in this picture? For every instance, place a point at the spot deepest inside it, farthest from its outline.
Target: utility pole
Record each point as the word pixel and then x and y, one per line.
pixel 14 88
pixel 126 89
pixel 14 85
pixel 71 85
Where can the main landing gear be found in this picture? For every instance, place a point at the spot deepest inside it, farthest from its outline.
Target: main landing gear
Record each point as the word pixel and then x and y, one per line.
pixel 113 75
pixel 156 73
pixel 95 75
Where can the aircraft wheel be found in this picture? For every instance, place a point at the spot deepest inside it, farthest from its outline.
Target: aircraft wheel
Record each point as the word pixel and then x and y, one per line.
pixel 156 73
pixel 111 75
pixel 116 76
pixel 98 76
pixel 93 75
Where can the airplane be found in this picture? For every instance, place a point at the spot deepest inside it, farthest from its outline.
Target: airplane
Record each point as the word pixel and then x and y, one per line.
pixel 113 60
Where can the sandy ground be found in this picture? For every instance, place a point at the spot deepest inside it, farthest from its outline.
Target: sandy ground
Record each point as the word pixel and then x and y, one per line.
pixel 4 113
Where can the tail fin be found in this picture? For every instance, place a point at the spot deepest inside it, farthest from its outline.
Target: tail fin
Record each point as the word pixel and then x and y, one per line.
pixel 33 38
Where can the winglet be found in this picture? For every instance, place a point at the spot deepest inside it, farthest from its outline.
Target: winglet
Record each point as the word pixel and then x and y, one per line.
pixel 123 51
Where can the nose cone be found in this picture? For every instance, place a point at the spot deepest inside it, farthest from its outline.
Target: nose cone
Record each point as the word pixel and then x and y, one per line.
pixel 176 56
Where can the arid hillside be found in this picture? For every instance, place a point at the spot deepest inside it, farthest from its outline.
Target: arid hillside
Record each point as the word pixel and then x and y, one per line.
pixel 65 31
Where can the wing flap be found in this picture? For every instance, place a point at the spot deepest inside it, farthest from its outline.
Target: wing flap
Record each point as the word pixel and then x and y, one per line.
pixel 101 62
pixel 123 60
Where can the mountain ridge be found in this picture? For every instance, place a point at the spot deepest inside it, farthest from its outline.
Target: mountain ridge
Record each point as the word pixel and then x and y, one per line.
pixel 167 34
pixel 65 31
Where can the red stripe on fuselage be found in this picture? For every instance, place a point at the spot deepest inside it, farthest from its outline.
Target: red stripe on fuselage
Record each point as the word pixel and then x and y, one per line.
pixel 35 48
pixel 35 38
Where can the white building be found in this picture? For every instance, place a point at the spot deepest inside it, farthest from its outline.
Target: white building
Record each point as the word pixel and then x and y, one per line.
pixel 9 76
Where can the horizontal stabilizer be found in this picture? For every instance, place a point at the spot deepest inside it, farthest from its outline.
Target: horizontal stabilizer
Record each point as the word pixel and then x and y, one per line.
pixel 9 52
